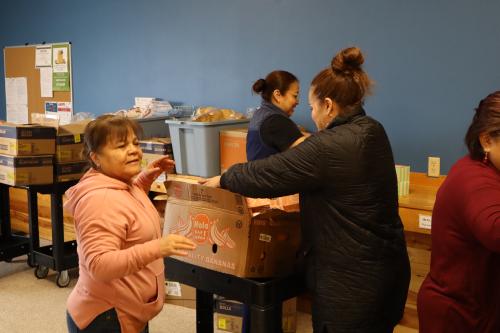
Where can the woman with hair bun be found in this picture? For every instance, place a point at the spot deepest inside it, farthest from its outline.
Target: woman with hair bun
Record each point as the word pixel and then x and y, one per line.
pixel 271 130
pixel 461 293
pixel 353 246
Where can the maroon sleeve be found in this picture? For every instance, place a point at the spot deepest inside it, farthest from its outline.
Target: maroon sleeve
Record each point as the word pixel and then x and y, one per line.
pixel 482 212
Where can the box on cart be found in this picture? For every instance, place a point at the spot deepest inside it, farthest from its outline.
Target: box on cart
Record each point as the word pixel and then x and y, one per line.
pixel 26 170
pixel 153 149
pixel 230 238
pixel 69 142
pixel 234 317
pixel 180 294
pixel 70 171
pixel 26 140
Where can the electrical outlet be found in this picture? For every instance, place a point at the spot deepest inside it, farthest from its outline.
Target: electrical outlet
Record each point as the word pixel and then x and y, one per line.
pixel 434 166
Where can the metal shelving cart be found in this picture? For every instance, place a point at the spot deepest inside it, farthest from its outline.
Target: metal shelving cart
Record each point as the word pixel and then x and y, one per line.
pixel 60 255
pixel 11 245
pixel 263 296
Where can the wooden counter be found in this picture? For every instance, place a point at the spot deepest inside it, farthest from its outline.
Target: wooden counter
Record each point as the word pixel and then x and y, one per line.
pixel 415 209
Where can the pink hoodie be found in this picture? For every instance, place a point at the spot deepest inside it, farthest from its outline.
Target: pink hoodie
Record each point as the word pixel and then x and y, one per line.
pixel 117 231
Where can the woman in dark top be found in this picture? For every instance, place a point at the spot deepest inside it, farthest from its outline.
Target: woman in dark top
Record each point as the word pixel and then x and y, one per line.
pixel 271 130
pixel 353 245
pixel 461 293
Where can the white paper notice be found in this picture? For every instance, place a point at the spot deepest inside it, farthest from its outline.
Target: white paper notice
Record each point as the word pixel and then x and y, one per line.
pixel 17 113
pixel 16 90
pixel 424 221
pixel 46 82
pixel 60 57
pixel 65 112
pixel 43 56
pixel 16 97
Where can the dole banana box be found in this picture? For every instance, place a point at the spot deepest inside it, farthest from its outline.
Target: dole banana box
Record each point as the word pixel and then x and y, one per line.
pixel 229 238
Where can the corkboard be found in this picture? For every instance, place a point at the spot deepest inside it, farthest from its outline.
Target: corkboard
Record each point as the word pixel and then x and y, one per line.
pixel 19 61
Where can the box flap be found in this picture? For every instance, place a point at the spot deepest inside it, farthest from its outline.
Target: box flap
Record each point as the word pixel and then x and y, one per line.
pixel 73 128
pixel 205 196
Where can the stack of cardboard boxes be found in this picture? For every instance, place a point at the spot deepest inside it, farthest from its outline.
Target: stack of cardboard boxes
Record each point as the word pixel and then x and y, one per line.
pixel 26 154
pixel 70 163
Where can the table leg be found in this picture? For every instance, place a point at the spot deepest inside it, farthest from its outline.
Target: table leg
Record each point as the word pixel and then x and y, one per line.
pixel 57 221
pixel 265 319
pixel 204 311
pixel 33 225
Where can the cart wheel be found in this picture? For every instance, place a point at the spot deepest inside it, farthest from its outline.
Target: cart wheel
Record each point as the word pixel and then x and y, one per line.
pixel 62 279
pixel 41 272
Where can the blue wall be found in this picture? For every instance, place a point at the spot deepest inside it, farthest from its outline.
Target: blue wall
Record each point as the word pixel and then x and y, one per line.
pixel 432 60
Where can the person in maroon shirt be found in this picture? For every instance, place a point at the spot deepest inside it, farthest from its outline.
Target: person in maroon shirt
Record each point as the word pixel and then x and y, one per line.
pixel 461 293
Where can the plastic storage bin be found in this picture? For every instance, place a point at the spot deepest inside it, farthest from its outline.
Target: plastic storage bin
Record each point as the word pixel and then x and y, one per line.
pixel 196 145
pixel 155 127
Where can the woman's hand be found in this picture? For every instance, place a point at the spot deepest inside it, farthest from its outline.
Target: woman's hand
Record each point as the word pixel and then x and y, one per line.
pixel 163 164
pixel 175 245
pixel 210 182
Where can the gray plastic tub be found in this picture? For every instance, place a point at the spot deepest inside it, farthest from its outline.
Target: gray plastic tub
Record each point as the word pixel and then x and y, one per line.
pixel 196 145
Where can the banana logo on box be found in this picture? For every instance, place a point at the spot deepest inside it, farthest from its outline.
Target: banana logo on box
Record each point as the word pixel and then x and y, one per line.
pixel 201 229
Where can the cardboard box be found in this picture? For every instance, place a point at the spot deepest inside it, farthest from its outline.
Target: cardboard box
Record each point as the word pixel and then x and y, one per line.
pixel 230 316
pixel 230 238
pixel 69 142
pixel 289 319
pixel 180 294
pixel 232 147
pixel 70 171
pixel 403 175
pixel 153 149
pixel 26 170
pixel 27 140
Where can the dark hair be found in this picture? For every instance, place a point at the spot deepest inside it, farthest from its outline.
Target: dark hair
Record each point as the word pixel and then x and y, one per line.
pixel 105 128
pixel 486 120
pixel 345 82
pixel 280 80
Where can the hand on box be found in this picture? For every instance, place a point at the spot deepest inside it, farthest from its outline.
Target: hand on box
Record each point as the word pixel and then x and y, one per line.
pixel 163 164
pixel 210 182
pixel 175 245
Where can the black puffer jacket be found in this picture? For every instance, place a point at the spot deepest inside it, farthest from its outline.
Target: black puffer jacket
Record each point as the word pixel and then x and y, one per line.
pixel 353 242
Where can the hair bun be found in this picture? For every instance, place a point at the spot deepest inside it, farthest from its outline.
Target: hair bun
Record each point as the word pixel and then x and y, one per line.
pixel 259 86
pixel 347 60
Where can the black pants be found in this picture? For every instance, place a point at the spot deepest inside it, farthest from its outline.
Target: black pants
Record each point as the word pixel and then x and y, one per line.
pixel 106 322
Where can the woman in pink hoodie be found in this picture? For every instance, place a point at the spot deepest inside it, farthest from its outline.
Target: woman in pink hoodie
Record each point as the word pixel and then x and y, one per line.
pixel 118 231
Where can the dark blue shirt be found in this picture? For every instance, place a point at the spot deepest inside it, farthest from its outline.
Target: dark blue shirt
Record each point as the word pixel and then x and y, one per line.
pixel 270 131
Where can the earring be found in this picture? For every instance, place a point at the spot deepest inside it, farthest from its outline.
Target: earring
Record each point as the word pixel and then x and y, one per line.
pixel 485 158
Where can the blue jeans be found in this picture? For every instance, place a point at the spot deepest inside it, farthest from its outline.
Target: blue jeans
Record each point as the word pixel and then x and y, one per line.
pixel 106 322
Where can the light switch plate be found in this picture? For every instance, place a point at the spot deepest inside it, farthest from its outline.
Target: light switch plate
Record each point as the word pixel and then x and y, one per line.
pixel 434 166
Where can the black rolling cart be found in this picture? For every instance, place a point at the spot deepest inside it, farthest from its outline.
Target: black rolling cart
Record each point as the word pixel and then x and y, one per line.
pixel 263 296
pixel 60 255
pixel 11 245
